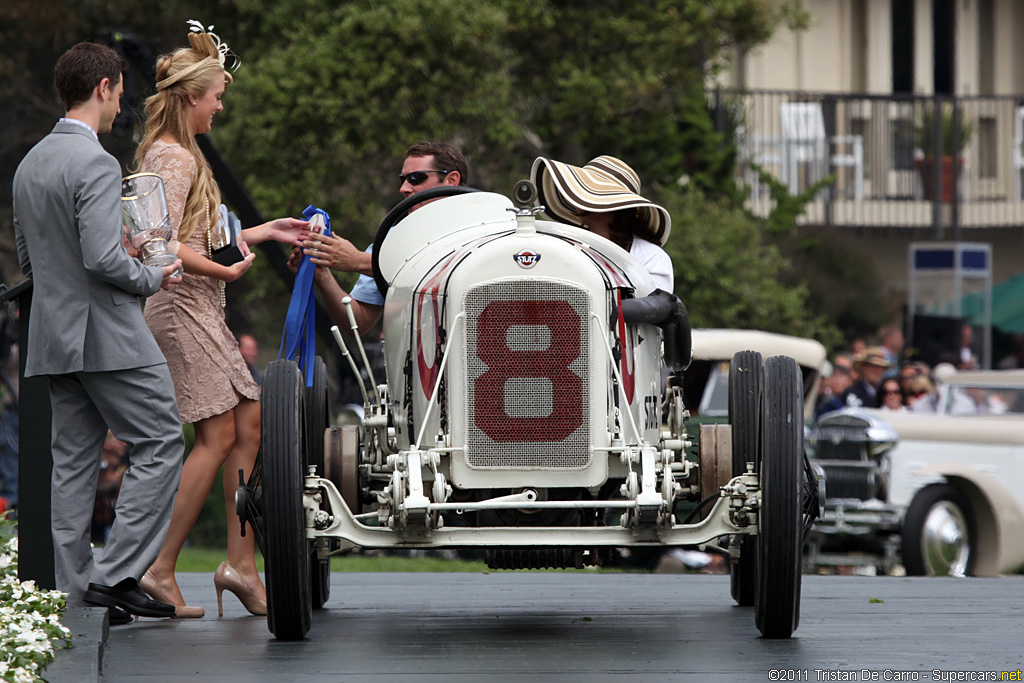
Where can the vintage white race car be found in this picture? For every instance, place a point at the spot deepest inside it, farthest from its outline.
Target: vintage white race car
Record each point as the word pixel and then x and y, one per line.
pixel 524 412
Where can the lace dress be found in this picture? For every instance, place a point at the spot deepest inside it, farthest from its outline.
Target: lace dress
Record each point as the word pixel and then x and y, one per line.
pixel 202 354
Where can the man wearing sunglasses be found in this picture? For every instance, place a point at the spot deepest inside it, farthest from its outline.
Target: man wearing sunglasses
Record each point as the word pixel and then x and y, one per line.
pixel 427 165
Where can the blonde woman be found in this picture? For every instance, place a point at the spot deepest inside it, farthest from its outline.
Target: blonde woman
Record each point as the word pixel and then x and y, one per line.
pixel 214 388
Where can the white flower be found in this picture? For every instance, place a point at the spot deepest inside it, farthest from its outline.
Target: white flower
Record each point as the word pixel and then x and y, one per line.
pixel 24 676
pixel 29 621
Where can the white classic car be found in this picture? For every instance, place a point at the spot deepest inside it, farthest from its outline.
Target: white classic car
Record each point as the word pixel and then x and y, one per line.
pixel 938 492
pixel 707 379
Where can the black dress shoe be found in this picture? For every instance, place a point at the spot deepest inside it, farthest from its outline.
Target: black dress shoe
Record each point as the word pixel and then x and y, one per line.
pixel 128 596
pixel 118 617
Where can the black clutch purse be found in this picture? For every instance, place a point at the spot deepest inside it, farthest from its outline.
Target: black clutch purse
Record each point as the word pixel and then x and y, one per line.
pixel 227 256
pixel 225 238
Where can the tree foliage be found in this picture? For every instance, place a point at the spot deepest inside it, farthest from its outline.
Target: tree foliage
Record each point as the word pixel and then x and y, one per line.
pixel 842 282
pixel 621 78
pixel 327 114
pixel 330 94
pixel 33 36
pixel 327 106
pixel 729 273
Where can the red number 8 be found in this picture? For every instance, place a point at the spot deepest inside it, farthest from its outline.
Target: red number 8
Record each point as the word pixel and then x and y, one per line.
pixel 552 363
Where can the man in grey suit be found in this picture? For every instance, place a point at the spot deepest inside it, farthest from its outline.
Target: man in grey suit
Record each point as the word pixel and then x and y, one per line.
pixel 87 335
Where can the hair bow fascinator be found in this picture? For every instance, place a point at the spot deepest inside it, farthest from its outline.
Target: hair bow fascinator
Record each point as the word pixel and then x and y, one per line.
pixel 208 44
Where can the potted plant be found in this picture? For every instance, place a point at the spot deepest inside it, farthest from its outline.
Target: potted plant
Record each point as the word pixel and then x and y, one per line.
pixel 954 131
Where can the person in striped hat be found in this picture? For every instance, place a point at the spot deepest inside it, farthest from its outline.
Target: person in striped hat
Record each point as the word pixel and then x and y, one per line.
pixel 604 198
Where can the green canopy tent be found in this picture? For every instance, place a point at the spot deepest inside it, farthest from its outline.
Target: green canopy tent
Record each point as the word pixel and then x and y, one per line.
pixel 1007 306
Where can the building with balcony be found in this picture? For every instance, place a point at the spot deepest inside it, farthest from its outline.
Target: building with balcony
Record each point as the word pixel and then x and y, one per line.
pixel 914 109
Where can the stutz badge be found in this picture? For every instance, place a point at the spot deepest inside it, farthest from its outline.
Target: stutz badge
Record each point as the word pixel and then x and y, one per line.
pixel 526 258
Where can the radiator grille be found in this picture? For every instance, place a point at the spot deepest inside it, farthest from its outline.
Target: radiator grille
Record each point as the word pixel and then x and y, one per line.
pixel 852 481
pixel 854 451
pixel 527 361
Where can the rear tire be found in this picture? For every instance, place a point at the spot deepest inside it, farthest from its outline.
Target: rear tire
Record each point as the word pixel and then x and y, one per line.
pixel 780 533
pixel 289 608
pixel 745 395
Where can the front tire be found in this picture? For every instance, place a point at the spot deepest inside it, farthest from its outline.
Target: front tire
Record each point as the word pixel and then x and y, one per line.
pixel 780 533
pixel 745 394
pixel 938 533
pixel 316 416
pixel 289 606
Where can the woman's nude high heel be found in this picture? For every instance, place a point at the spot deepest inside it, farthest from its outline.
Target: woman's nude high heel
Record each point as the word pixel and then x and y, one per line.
pixel 227 579
pixel 152 588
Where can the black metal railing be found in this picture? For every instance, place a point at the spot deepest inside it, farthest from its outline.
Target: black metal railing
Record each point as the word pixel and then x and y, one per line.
pixel 882 161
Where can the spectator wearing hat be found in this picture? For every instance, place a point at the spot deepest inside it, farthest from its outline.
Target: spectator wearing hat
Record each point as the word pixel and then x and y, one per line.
pixel 871 367
pixel 604 198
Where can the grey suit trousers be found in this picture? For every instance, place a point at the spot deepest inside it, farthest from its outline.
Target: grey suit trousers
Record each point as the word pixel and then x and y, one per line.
pixel 139 406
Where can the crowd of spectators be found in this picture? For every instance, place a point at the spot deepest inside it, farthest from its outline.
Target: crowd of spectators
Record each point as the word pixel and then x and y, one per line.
pixel 887 377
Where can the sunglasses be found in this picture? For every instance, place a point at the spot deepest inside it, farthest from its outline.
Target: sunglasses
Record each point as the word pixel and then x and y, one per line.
pixel 417 177
pixel 895 392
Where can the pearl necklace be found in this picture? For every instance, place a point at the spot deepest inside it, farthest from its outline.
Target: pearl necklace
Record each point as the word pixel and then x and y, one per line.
pixel 221 285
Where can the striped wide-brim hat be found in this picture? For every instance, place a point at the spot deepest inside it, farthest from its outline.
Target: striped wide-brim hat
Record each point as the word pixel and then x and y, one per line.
pixel 604 184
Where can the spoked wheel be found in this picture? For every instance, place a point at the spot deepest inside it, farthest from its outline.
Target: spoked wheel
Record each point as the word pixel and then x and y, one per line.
pixel 780 533
pixel 249 501
pixel 745 393
pixel 316 415
pixel 286 560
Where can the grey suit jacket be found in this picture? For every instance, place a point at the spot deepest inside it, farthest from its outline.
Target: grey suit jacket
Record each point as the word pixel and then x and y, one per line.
pixel 86 303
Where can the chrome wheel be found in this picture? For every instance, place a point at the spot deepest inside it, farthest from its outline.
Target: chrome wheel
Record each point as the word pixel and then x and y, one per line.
pixel 938 533
pixel 946 540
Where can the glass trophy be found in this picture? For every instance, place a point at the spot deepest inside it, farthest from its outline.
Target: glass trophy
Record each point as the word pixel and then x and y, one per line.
pixel 225 237
pixel 146 219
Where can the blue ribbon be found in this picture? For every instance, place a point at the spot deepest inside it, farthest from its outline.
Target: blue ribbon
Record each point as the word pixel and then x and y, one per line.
pixel 298 341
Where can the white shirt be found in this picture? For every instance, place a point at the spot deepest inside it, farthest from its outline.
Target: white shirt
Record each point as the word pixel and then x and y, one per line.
pixel 83 124
pixel 655 261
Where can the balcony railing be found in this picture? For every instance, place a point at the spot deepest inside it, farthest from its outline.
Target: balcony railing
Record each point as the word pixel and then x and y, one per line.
pixel 880 153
